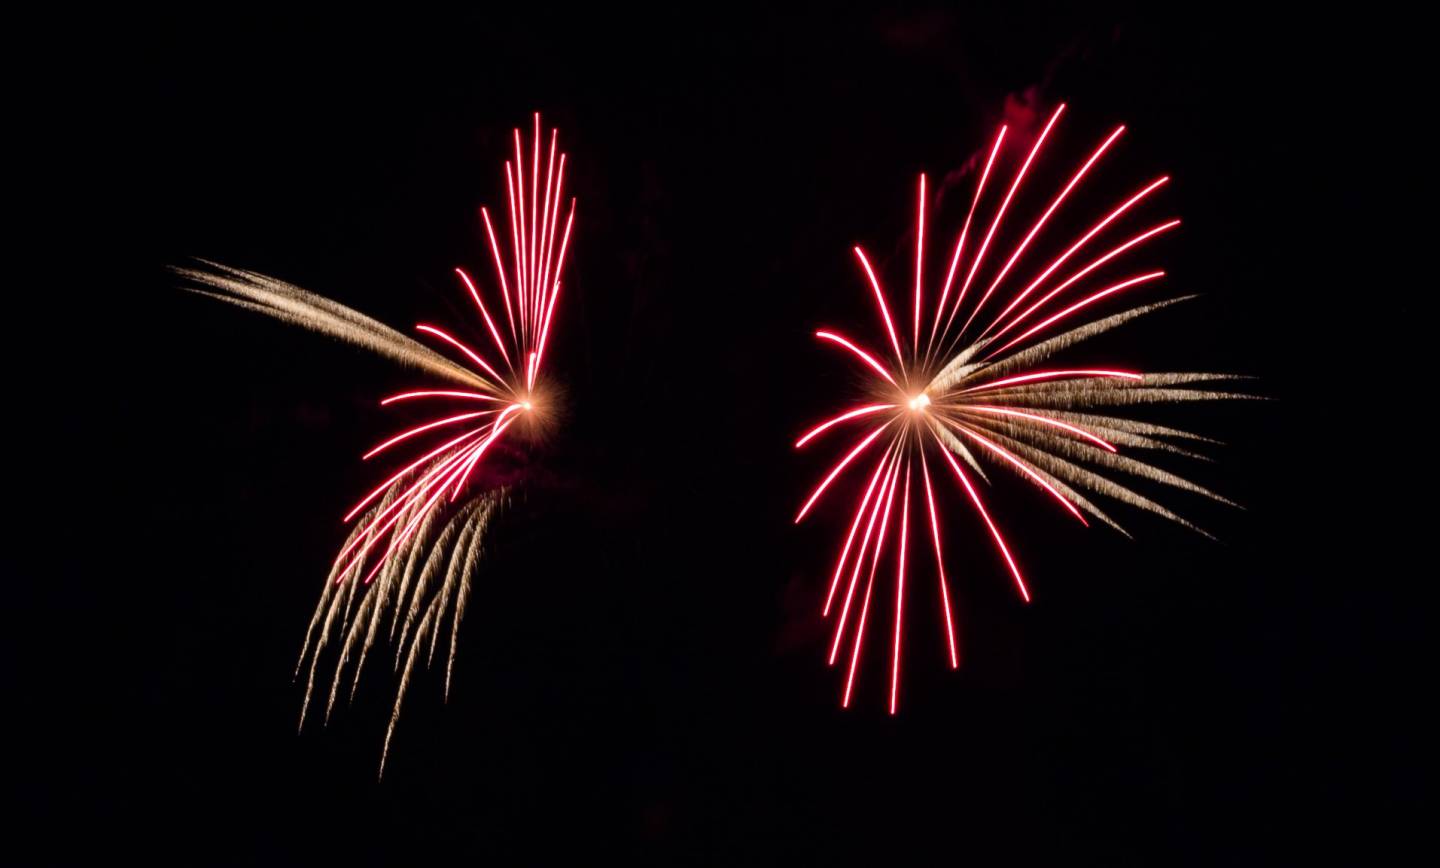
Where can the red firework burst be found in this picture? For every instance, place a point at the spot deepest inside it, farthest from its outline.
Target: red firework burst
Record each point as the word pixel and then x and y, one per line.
pixel 944 393
pixel 529 294
pixel 419 564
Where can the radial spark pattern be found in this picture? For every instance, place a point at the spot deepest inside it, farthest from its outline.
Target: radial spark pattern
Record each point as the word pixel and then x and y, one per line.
pixel 416 536
pixel 959 387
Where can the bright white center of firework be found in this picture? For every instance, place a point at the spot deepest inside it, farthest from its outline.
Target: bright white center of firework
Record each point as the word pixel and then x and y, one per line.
pixel 525 404
pixel 920 402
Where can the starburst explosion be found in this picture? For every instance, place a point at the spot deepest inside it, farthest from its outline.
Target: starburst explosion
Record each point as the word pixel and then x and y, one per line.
pixel 963 382
pixel 417 535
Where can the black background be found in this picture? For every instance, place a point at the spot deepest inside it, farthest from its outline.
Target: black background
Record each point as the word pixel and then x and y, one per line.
pixel 641 673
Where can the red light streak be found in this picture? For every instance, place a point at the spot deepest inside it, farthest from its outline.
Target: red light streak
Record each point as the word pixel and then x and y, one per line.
pixel 853 414
pixel 494 333
pixel 939 562
pixel 399 539
pixel 838 468
pixel 384 486
pixel 501 423
pixel 900 592
pixel 864 356
pixel 1144 278
pixel 994 531
pixel 869 584
pixel 960 240
pixel 1004 206
pixel 1076 247
pixel 1039 224
pixel 1072 279
pixel 527 291
pixel 549 313
pixel 880 299
pixel 885 495
pixel 515 238
pixel 499 268
pixel 474 356
pixel 375 528
pixel 533 234
pixel 552 214
pixel 855 655
pixel 422 429
pixel 1023 468
pixel 405 396
pixel 854 526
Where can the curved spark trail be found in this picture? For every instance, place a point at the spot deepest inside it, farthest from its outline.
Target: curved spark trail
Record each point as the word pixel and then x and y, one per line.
pixel 413 549
pixel 956 386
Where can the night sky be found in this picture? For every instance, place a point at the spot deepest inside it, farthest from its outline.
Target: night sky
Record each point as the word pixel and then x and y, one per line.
pixel 641 672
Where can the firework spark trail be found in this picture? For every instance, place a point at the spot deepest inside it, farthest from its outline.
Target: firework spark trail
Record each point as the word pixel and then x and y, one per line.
pixel 987 390
pixel 960 246
pixel 888 463
pixel 296 306
pixel 413 551
pixel 939 562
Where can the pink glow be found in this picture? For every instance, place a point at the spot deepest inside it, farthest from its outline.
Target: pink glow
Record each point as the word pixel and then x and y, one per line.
pixel 919 257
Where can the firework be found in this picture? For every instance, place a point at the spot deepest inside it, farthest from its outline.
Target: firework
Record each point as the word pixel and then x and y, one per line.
pixel 417 535
pixel 963 389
